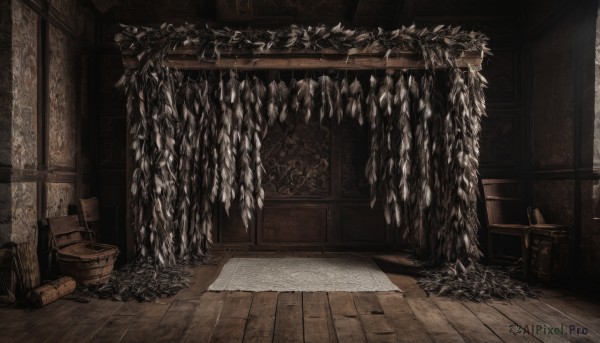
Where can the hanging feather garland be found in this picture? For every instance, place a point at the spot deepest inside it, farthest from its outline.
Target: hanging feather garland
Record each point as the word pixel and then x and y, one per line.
pixel 209 189
pixel 274 102
pixel 391 207
pixel 259 193
pixel 331 99
pixel 354 106
pixel 372 169
pixel 306 89
pixel 246 175
pixel 186 131
pixel 403 125
pixel 259 92
pixel 284 94
pixel 227 156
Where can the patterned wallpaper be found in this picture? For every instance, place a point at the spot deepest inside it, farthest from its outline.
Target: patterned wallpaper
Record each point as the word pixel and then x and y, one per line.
pixel 62 92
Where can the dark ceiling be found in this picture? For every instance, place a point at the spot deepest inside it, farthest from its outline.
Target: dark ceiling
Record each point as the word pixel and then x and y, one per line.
pixel 385 13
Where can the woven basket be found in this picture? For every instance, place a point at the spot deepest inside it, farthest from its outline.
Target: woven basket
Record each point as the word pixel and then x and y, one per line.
pixel 89 264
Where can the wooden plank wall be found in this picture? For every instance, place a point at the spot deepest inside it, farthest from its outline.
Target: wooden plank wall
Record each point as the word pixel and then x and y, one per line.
pixel 559 63
pixel 45 164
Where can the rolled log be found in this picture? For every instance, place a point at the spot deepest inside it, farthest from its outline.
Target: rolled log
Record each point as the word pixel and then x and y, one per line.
pixel 52 291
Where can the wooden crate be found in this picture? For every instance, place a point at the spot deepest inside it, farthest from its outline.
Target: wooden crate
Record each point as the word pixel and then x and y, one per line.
pixel 549 254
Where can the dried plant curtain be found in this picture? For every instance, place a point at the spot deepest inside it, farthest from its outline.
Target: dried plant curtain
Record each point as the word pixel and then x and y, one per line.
pixel 197 136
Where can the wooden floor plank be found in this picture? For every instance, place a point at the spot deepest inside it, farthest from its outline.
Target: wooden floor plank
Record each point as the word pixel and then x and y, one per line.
pixel 401 318
pixel 318 323
pixel 577 310
pixel 175 321
pixel 113 330
pixel 43 322
pixel 205 318
pixel 377 328
pixel 261 320
pixel 202 277
pixel 407 284
pixel 557 319
pixel 232 322
pixel 464 321
pixel 367 303
pixel 497 322
pixel 348 327
pixel 434 321
pixel 91 321
pixel 524 319
pixel 147 317
pixel 288 320
pixel 195 315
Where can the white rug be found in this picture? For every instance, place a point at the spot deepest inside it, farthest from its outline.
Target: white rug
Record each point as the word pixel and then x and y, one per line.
pixel 302 275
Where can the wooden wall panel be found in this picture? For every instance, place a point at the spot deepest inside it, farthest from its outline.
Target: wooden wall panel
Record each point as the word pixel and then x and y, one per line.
pixel 23 211
pixel 294 224
pixel 231 227
pixel 355 154
pixel 556 198
pixel 59 196
pixel 552 99
pixel 363 224
pixel 501 70
pixel 499 140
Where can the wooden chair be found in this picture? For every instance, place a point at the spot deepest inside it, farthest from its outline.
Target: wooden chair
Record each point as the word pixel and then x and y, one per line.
pixel 505 215
pixel 87 262
pixel 89 211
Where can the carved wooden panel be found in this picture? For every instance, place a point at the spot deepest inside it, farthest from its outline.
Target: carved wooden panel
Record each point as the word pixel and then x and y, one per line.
pixel 296 159
pixel 363 224
pixel 63 100
pixel 355 153
pixel 294 224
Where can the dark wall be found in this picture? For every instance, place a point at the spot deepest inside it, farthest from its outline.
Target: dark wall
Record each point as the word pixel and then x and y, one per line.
pixel 44 156
pixel 559 63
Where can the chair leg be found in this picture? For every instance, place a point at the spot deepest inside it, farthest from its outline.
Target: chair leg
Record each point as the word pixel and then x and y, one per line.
pixel 525 253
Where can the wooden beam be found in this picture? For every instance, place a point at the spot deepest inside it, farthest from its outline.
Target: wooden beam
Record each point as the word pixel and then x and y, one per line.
pixel 277 60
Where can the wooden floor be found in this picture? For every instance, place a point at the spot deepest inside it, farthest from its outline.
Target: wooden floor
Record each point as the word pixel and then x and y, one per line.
pixel 195 315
